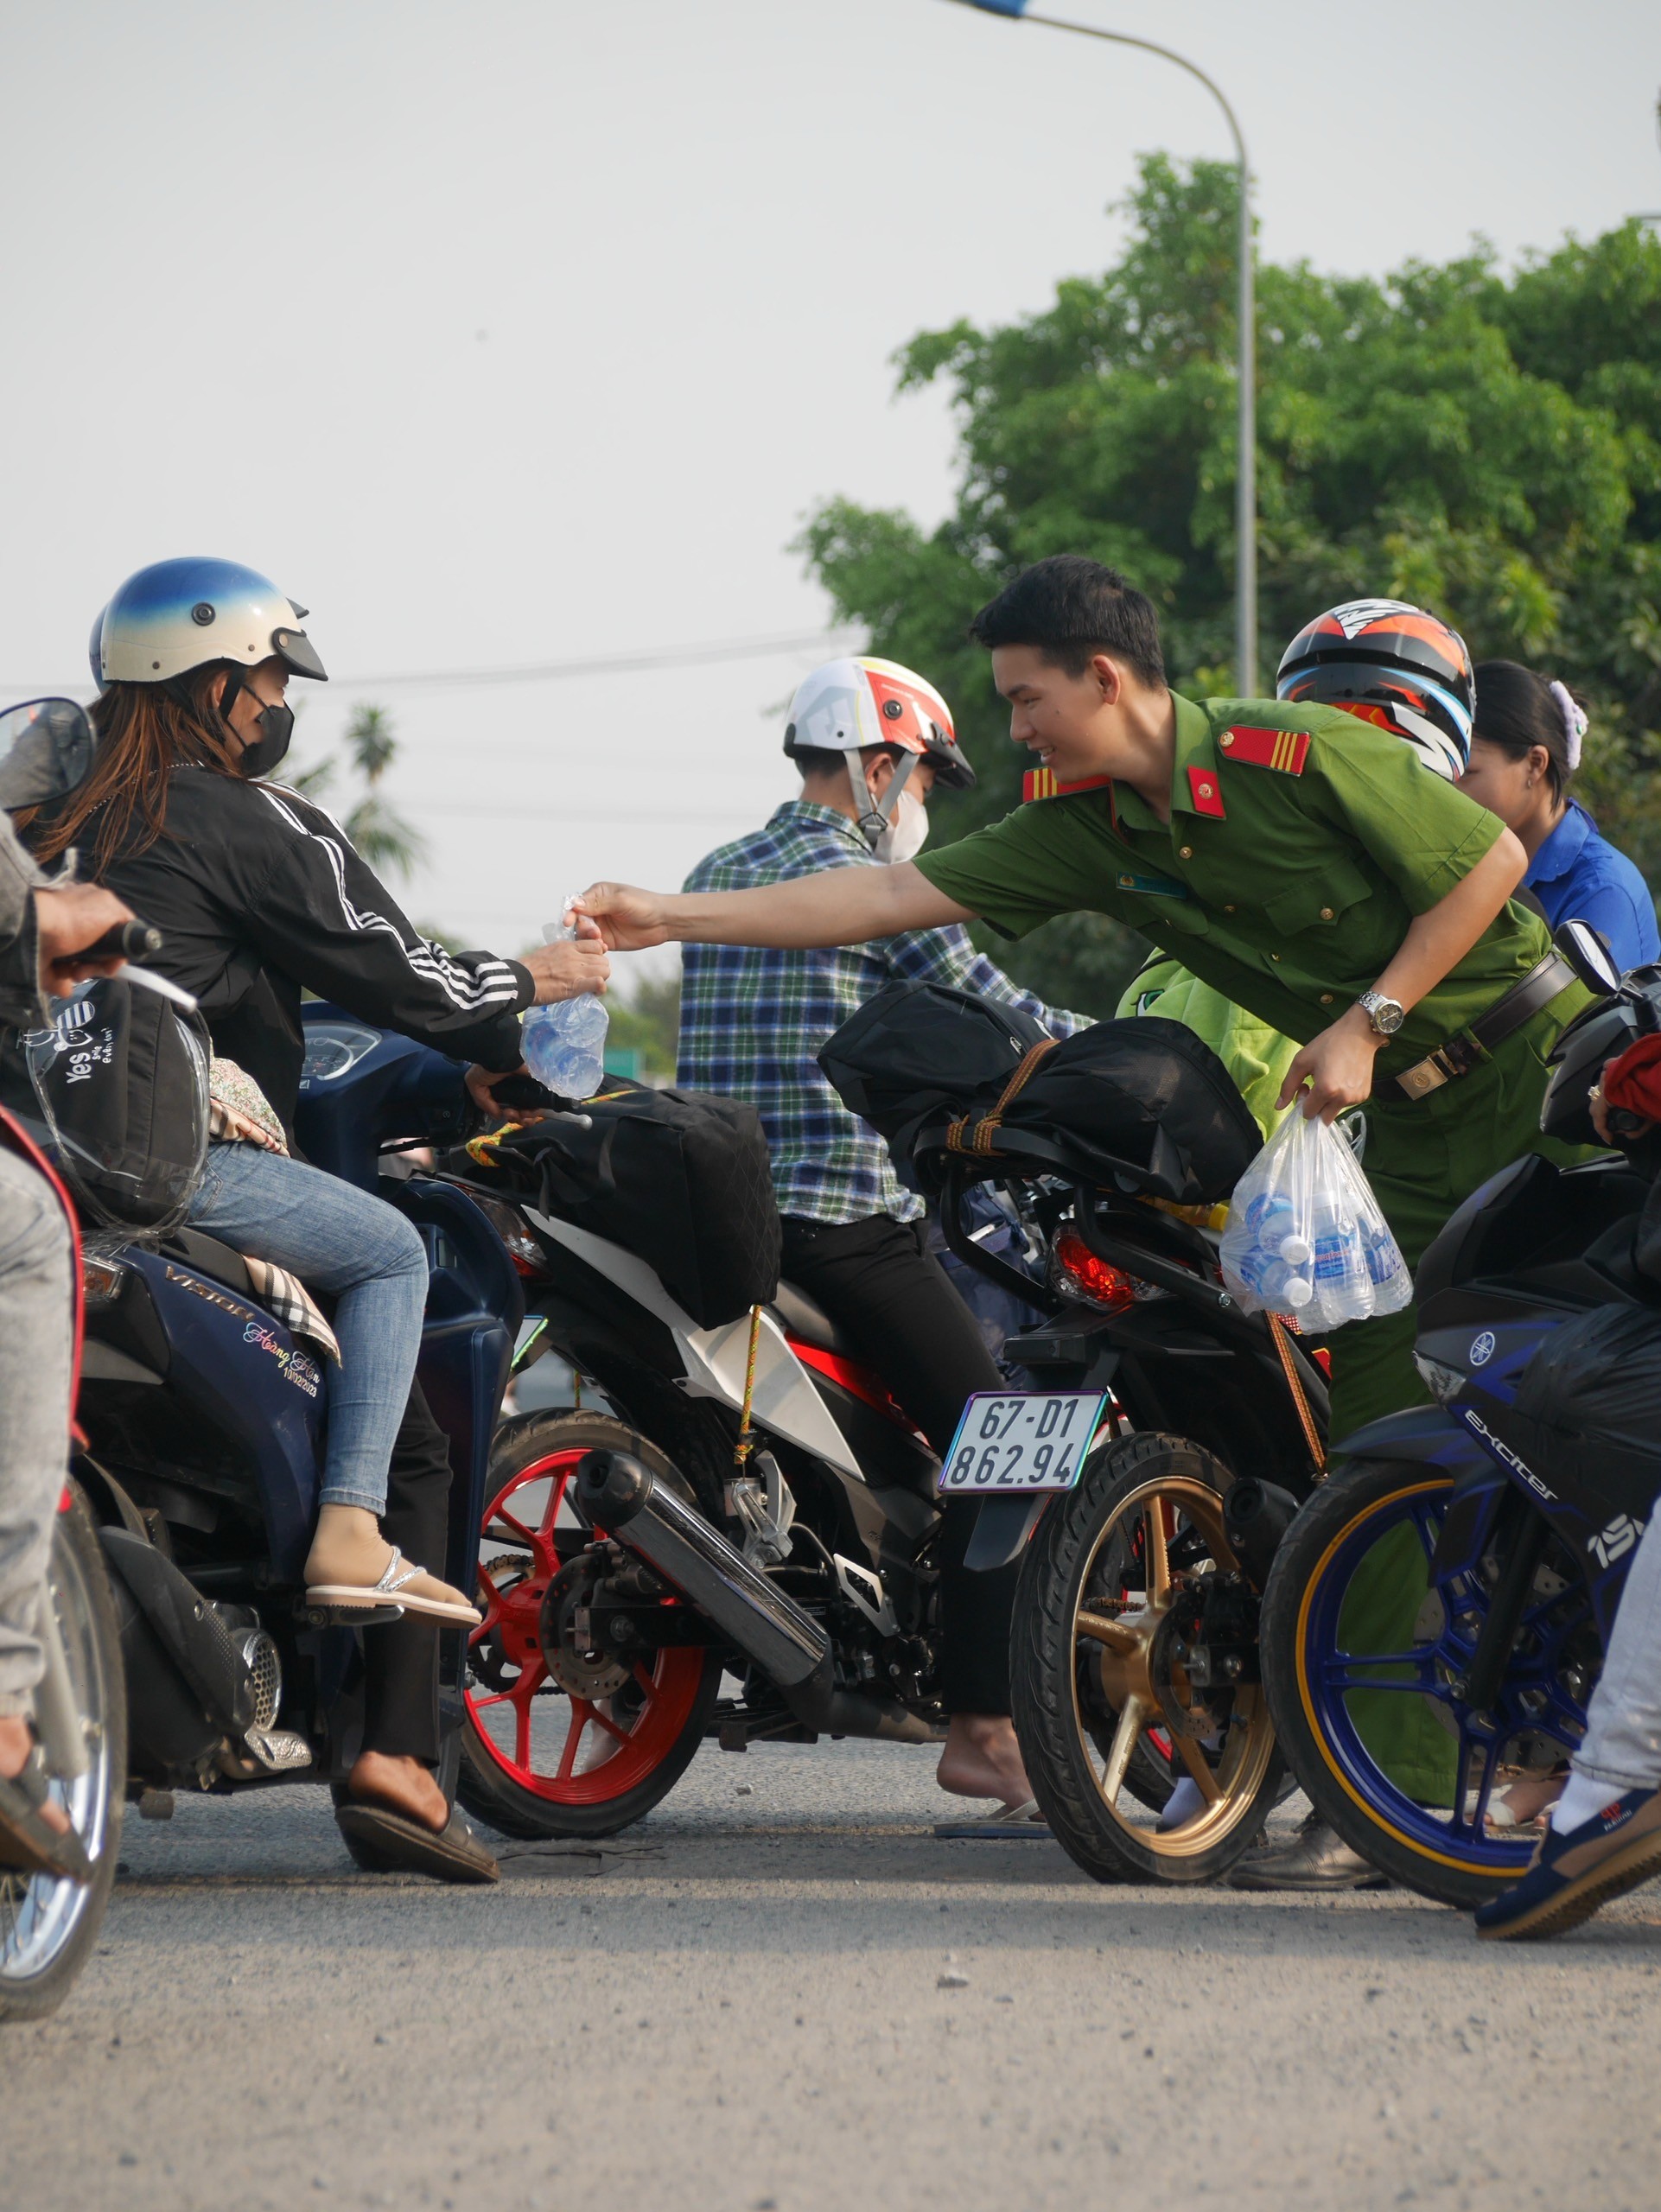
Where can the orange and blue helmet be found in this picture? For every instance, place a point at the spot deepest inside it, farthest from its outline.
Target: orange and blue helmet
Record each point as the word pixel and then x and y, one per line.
pixel 1396 666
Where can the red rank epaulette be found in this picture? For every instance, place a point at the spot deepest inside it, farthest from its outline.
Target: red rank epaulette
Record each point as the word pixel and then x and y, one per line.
pixel 1202 790
pixel 1285 749
pixel 1040 783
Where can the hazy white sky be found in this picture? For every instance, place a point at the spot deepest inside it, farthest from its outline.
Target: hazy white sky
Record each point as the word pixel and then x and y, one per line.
pixel 520 330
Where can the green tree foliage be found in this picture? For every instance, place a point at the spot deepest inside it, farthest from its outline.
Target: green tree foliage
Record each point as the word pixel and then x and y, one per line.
pixel 649 1022
pixel 375 827
pixel 1486 443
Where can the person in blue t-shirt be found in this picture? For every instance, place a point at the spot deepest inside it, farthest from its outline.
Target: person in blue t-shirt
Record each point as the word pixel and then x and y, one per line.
pixel 1526 744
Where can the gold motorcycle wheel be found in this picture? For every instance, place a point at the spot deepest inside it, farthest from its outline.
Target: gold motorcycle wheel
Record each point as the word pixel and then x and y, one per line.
pixel 1134 1670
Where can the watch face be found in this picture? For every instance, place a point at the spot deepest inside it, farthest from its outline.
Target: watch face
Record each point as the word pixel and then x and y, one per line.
pixel 1387 1016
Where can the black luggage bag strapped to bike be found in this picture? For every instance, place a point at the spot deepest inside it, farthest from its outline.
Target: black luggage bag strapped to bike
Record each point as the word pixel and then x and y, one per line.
pixel 1142 1103
pixel 678 1178
pixel 1588 1405
pixel 121 1077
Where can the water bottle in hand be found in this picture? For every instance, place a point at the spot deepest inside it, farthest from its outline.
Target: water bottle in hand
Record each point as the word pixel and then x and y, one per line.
pixel 565 1044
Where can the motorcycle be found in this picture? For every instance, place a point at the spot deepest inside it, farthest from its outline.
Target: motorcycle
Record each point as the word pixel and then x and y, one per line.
pixel 749 1500
pixel 202 1415
pixel 1505 1535
pixel 48 1927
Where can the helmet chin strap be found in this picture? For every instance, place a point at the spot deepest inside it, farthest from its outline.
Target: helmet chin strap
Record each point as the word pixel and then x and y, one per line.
pixel 875 815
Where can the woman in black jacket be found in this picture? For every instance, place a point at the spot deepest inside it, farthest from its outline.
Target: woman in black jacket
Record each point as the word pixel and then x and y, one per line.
pixel 259 895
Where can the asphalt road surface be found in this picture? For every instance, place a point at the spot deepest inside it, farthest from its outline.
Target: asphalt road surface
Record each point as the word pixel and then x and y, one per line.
pixel 751 2002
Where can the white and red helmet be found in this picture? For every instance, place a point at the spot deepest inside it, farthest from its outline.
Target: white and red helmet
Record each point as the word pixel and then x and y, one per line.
pixel 846 705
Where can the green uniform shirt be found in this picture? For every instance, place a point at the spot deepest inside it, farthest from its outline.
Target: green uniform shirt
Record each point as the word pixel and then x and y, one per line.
pixel 1287 887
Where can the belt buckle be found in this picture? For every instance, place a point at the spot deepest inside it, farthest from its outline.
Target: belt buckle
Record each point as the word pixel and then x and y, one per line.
pixel 1427 1075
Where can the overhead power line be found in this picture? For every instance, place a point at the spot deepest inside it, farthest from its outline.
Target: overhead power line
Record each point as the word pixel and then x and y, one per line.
pixel 552 671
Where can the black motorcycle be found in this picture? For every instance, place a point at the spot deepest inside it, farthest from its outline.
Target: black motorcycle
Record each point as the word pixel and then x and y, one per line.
pixel 1500 1520
pixel 747 1499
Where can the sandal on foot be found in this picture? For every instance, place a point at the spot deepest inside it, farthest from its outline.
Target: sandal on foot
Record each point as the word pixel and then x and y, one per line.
pixel 1023 1820
pixel 394 1844
pixel 28 1844
pixel 391 1590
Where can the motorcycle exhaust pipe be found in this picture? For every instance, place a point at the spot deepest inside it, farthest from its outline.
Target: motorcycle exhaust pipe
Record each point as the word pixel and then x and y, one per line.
pixel 616 1492
pixel 1256 1515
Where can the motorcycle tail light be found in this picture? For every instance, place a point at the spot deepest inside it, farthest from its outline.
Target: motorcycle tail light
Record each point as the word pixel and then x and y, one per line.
pixel 522 1248
pixel 1080 1274
pixel 100 1280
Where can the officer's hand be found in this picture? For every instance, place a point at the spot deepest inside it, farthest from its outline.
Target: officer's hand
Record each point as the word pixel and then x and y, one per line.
pixel 629 920
pixel 566 971
pixel 1337 1066
pixel 67 921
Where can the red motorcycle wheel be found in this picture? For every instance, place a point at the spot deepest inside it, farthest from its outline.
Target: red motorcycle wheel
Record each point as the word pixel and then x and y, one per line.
pixel 538 1759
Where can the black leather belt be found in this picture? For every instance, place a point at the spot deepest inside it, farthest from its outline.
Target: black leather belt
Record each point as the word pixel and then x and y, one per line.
pixel 1473 1043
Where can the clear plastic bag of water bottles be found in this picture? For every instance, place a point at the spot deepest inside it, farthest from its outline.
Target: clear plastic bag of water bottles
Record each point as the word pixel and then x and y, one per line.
pixel 1305 1235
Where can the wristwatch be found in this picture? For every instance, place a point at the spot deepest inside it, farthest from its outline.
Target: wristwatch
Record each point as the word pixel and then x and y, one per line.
pixel 1387 1016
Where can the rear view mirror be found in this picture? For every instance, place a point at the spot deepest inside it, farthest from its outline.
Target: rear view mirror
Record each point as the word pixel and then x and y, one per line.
pixel 1586 950
pixel 45 749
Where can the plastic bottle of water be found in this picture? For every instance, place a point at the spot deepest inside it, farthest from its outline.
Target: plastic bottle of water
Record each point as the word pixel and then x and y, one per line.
pixel 1281 1285
pixel 565 1044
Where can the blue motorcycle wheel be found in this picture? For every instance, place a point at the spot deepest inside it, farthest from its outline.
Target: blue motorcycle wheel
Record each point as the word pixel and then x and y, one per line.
pixel 1352 1708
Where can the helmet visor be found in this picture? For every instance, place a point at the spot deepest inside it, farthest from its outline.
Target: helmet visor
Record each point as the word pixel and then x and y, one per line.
pixel 298 654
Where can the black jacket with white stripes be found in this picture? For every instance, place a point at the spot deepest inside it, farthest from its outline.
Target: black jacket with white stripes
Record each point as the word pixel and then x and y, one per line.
pixel 259 895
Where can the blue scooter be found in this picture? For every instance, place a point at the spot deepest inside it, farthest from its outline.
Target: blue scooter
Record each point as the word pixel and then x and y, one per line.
pixel 204 1419
pixel 1434 1621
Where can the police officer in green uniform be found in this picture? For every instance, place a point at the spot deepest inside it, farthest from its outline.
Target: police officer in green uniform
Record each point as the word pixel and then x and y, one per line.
pixel 1294 857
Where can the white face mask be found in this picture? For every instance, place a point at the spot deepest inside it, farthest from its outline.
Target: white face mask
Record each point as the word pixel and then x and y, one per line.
pixel 907 833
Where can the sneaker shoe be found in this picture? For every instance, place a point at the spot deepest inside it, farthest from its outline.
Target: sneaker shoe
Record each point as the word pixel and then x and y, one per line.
pixel 1574 1873
pixel 1320 1860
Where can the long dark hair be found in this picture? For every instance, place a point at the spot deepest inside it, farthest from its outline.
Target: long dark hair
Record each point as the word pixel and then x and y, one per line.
pixel 1515 711
pixel 144 731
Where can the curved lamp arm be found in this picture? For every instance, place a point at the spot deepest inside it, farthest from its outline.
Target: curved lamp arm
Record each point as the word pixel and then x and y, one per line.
pixel 1245 502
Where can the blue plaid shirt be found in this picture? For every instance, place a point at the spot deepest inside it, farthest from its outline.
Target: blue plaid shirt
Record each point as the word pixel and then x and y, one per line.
pixel 751 1020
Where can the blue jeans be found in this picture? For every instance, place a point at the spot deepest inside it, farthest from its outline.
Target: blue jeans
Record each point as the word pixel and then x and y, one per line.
pixel 368 1256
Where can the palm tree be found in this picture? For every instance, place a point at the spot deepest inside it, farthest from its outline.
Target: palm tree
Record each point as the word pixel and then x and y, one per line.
pixel 378 831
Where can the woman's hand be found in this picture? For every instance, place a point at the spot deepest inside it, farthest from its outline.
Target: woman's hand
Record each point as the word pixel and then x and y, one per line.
pixel 567 971
pixel 629 921
pixel 237 1128
pixel 1337 1066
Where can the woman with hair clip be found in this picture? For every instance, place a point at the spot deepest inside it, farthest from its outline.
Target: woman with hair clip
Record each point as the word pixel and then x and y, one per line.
pixel 259 895
pixel 1526 744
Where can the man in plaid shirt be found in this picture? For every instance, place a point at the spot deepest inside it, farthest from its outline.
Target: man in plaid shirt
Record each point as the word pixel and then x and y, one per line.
pixel 869 739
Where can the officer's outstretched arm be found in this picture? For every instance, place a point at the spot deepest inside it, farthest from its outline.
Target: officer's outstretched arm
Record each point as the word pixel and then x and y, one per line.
pixel 840 905
pixel 1337 1065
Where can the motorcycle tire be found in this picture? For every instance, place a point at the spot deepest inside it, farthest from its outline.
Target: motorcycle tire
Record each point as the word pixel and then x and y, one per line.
pixel 546 1788
pixel 1111 1557
pixel 1308 1671
pixel 49 1929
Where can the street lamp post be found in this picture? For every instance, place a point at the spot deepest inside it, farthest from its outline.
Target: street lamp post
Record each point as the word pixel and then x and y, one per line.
pixel 1246 489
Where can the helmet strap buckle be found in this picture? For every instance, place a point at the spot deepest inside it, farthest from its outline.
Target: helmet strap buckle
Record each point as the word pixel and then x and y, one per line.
pixel 876 816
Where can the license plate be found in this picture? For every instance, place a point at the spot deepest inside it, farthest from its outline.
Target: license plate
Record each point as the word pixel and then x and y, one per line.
pixel 1027 1440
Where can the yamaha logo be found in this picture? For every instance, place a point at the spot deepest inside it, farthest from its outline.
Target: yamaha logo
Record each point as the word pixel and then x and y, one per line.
pixel 1482 1349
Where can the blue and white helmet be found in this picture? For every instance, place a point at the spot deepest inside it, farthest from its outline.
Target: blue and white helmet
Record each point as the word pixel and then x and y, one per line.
pixel 176 615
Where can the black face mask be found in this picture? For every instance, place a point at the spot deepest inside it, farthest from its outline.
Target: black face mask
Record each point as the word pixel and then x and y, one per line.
pixel 262 754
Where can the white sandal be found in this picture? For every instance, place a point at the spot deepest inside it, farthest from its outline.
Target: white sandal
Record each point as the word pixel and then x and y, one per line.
pixel 391 1592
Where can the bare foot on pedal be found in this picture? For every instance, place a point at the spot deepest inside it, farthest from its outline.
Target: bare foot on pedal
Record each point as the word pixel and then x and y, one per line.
pixel 983 1759
pixel 351 1565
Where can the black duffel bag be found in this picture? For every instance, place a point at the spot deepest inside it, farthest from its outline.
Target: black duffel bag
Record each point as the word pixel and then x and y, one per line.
pixel 917 1051
pixel 1143 1104
pixel 1587 1409
pixel 679 1178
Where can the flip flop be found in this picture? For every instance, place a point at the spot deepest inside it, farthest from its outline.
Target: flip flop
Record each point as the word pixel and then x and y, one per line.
pixel 28 1844
pixel 1024 1823
pixel 390 1591
pixel 391 1843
